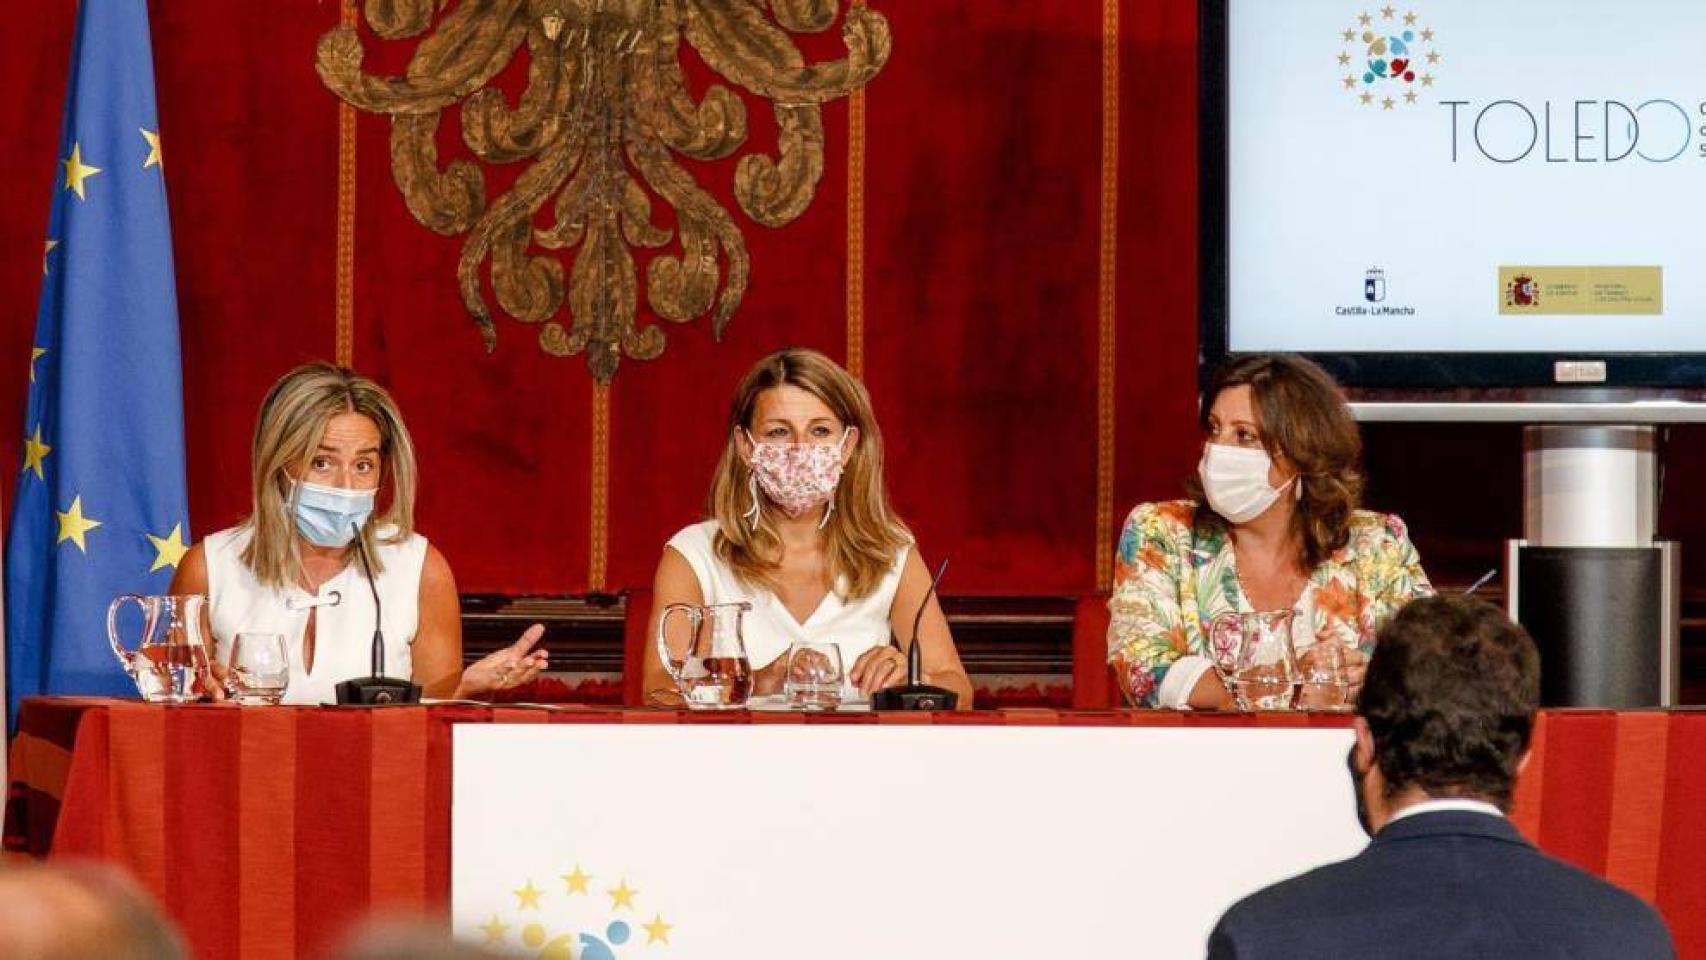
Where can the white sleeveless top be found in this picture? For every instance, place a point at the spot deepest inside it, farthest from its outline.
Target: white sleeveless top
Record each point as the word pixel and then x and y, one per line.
pixel 343 630
pixel 855 626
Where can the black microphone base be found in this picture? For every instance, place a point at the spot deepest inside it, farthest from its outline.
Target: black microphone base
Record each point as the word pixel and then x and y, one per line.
pixel 377 691
pixel 915 696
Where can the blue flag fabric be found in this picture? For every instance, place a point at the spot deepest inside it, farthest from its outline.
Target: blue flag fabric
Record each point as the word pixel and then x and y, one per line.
pixel 101 507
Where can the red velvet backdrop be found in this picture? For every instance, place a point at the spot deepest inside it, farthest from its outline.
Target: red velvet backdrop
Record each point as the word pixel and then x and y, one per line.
pixel 982 190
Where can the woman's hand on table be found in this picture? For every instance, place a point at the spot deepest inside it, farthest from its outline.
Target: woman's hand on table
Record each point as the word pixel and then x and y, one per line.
pixel 878 668
pixel 505 669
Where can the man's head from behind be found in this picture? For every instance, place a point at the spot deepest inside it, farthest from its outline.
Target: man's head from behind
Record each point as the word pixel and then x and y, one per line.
pixel 1446 708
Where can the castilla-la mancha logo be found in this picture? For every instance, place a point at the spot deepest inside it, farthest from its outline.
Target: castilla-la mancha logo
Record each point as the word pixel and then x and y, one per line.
pixel 1522 291
pixel 1386 57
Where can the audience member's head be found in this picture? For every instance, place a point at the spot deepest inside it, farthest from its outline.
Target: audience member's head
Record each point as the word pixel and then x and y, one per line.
pixel 76 911
pixel 1447 706
pixel 407 940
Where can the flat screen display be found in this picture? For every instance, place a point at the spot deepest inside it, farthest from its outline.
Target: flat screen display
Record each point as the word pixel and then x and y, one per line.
pixel 1458 192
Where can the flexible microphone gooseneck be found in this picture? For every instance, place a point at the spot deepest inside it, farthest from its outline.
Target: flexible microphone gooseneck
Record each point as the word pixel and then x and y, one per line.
pixel 377 688
pixel 915 694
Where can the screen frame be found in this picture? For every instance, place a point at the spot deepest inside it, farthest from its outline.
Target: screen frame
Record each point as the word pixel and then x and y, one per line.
pixel 1464 373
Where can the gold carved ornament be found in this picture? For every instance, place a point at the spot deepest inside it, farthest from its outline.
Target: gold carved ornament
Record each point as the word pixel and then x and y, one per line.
pixel 605 110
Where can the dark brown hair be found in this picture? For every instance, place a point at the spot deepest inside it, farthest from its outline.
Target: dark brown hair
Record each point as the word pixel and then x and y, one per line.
pixel 1303 418
pixel 1450 697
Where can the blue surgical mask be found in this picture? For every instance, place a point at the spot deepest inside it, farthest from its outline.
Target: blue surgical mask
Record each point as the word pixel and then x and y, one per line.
pixel 324 515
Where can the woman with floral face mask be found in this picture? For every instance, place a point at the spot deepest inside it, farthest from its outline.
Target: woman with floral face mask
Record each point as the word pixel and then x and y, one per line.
pixel 1272 524
pixel 801 528
pixel 327 445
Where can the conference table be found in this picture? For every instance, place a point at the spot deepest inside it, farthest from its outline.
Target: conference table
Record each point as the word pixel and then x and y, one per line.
pixel 268 832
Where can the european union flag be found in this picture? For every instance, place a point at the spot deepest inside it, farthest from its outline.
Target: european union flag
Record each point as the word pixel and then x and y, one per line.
pixel 101 507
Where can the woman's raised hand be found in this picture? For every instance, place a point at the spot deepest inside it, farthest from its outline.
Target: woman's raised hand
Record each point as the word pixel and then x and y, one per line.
pixel 504 669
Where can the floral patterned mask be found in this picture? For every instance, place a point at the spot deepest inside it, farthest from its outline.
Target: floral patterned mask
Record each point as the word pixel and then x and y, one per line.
pixel 797 476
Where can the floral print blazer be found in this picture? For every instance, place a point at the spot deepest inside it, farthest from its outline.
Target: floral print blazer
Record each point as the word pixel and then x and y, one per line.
pixel 1172 578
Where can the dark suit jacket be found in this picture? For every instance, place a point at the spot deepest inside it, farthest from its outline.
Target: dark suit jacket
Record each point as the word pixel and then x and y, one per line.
pixel 1447 884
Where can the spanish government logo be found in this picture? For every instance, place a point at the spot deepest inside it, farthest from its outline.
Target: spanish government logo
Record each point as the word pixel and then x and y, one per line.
pixel 1385 58
pixel 577 916
pixel 1522 291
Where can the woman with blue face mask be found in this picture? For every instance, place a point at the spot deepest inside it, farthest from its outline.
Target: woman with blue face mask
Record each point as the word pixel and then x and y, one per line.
pixel 332 460
pixel 1272 524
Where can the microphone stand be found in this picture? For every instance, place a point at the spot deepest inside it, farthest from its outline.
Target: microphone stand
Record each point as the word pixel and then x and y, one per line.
pixel 377 689
pixel 915 694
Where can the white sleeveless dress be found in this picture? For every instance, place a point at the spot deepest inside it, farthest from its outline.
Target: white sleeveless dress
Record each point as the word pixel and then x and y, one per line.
pixel 856 626
pixel 343 629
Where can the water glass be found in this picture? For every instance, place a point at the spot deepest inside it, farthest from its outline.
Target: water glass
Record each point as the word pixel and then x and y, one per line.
pixel 1253 654
pixel 813 677
pixel 258 670
pixel 1323 677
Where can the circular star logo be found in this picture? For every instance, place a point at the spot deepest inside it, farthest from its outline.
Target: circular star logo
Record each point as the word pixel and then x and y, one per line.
pixel 1386 59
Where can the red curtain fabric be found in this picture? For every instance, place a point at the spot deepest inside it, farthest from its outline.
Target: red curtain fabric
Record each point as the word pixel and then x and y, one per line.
pixel 982 191
pixel 276 829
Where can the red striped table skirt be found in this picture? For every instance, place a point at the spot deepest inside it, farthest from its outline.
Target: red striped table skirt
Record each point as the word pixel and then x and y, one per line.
pixel 268 832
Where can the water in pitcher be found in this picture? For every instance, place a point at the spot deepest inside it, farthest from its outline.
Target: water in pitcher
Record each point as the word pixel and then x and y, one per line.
pixel 170 673
pixel 716 683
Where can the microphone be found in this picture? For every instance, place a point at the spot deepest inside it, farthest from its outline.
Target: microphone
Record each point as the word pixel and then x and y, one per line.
pixel 1481 582
pixel 915 694
pixel 378 688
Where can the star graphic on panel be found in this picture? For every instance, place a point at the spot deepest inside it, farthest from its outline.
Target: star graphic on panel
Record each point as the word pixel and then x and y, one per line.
pixel 1409 96
pixel 528 897
pixel 1344 59
pixel 1428 35
pixel 35 354
pixel 1367 98
pixel 34 453
pixel 657 931
pixel 46 248
pixel 577 880
pixel 1386 12
pixel 1410 19
pixel 154 158
pixel 76 171
pixel 154 149
pixel 1386 104
pixel 1350 83
pixel 169 549
pixel 494 930
pixel 1427 79
pixel 74 526
pixel 1433 56
pixel 1349 35
pixel 1365 19
pixel 622 896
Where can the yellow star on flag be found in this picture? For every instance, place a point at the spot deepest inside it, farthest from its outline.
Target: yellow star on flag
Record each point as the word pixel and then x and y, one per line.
pixel 169 548
pixel 46 248
pixel 528 897
pixel 494 930
pixel 34 453
pixel 657 931
pixel 154 158
pixel 576 880
pixel 73 525
pixel 36 354
pixel 622 896
pixel 76 171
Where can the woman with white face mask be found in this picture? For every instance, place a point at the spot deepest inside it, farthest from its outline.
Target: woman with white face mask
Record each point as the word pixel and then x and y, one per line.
pixel 801 528
pixel 1273 524
pixel 331 457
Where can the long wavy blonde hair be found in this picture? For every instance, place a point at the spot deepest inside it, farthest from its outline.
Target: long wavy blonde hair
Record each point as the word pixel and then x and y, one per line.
pixel 862 533
pixel 288 432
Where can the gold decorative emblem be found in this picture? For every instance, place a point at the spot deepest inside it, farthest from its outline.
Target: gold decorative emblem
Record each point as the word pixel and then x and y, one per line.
pixel 605 110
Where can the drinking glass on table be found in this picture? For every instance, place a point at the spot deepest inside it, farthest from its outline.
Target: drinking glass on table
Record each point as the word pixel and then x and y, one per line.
pixel 258 669
pixel 1323 672
pixel 1253 654
pixel 813 677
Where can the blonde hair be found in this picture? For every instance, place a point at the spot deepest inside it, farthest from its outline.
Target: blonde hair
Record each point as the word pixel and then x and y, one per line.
pixel 288 432
pixel 862 532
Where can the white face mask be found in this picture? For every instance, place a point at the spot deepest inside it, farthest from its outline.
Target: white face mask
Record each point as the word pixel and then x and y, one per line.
pixel 1235 480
